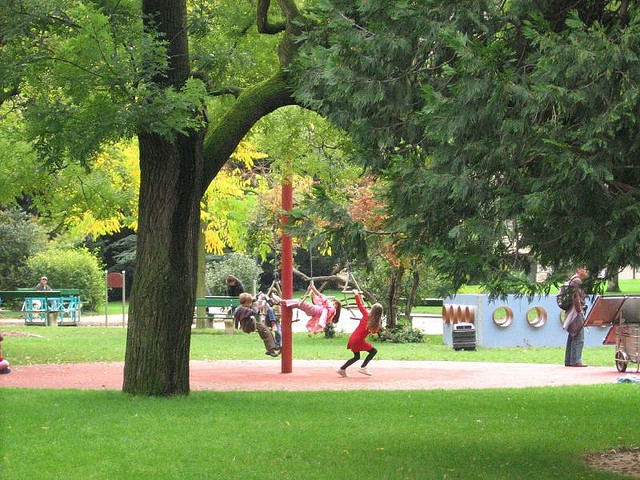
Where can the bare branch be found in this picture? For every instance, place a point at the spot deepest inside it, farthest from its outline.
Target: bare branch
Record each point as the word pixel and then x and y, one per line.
pixel 262 19
pixel 4 96
pixel 235 91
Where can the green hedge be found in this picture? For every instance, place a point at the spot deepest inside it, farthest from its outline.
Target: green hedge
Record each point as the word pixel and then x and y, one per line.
pixel 70 268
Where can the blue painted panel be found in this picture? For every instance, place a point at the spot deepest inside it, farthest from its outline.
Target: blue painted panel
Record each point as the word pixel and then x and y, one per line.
pixel 545 329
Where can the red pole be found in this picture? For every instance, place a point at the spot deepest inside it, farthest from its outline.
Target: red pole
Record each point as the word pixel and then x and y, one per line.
pixel 287 280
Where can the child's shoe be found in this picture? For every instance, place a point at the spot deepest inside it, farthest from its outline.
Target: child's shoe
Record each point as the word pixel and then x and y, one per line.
pixel 364 371
pixel 342 372
pixel 6 370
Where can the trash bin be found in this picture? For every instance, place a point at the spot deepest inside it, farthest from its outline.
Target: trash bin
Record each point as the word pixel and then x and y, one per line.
pixel 464 336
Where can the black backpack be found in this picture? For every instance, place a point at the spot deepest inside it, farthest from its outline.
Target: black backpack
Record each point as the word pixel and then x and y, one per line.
pixel 564 298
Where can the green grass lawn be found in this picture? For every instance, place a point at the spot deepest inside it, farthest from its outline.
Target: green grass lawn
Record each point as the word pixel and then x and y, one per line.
pixel 537 433
pixel 486 434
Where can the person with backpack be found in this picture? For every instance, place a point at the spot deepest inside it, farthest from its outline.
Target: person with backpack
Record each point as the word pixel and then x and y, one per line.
pixel 574 321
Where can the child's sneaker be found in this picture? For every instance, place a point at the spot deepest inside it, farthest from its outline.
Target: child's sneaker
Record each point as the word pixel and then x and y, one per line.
pixel 6 370
pixel 342 373
pixel 364 371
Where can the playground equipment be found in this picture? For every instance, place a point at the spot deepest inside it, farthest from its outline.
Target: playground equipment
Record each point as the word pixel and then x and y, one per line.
pixel 514 321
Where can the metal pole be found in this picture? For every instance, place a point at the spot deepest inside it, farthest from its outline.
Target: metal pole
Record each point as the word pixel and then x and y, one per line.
pixel 106 298
pixel 287 279
pixel 124 296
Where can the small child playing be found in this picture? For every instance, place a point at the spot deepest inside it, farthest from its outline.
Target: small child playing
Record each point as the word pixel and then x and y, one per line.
pixel 323 310
pixel 4 364
pixel 369 323
pixel 265 306
pixel 248 320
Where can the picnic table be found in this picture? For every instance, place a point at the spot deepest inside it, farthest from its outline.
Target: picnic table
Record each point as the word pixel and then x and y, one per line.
pixel 49 308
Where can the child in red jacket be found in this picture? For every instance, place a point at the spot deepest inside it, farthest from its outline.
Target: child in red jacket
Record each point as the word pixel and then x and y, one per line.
pixel 369 323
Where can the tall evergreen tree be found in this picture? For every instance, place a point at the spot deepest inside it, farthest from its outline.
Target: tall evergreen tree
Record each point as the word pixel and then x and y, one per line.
pixel 507 130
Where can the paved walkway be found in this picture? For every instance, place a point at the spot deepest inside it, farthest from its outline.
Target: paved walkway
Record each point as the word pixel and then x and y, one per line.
pixel 313 375
pixel 308 375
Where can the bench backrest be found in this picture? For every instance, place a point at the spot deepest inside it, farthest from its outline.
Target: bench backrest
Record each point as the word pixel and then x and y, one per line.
pixel 217 301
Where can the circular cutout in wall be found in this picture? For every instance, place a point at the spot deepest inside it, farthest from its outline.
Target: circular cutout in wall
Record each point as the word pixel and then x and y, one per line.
pixel 537 316
pixel 502 316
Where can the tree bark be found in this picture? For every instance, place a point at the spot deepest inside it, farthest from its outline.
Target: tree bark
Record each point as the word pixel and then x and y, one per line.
pixel 613 285
pixel 163 294
pixel 393 294
pixel 174 174
pixel 253 104
pixel 411 298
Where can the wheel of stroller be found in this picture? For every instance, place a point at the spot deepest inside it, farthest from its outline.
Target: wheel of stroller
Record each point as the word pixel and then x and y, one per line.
pixel 622 360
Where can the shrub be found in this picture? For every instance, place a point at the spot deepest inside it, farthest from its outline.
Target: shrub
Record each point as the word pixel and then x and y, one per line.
pixel 20 237
pixel 401 334
pixel 329 330
pixel 70 268
pixel 242 266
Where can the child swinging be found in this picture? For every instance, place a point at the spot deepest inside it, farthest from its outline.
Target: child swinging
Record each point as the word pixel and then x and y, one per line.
pixel 323 310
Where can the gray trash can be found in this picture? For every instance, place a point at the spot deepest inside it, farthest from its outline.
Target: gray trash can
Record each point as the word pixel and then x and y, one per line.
pixel 464 336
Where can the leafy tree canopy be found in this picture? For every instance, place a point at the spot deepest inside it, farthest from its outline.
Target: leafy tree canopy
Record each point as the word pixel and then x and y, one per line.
pixel 507 131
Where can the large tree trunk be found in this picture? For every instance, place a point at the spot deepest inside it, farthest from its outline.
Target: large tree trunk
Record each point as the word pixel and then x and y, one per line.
pixel 163 296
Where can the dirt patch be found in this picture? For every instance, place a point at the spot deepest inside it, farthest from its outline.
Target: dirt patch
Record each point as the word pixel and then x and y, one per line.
pixel 17 333
pixel 622 460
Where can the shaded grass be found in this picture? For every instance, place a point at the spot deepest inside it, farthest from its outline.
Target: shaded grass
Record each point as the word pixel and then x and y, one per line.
pixel 538 433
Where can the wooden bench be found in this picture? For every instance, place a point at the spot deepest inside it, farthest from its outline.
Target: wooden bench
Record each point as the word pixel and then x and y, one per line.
pixel 218 308
pixel 49 308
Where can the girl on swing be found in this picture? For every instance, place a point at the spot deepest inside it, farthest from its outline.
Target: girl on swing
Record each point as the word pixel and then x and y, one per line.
pixel 323 310
pixel 369 323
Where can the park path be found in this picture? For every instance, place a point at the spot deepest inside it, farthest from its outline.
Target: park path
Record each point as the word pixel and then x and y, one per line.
pixel 315 375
